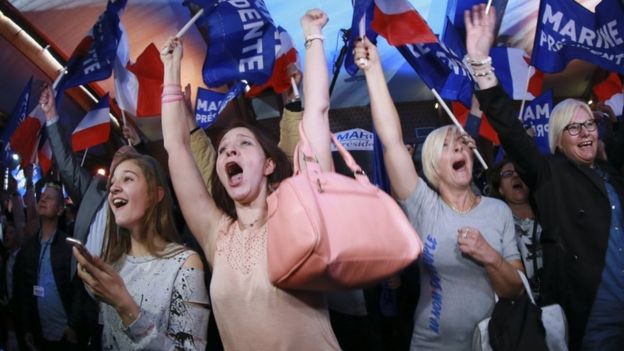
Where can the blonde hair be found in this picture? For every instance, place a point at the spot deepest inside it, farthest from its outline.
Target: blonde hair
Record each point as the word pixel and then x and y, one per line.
pixel 560 117
pixel 432 150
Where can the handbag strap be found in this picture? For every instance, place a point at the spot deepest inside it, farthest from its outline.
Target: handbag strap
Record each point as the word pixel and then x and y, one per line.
pixel 312 164
pixel 534 246
pixel 527 287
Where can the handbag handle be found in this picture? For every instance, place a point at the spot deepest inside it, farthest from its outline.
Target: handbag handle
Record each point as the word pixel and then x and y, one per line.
pixel 312 164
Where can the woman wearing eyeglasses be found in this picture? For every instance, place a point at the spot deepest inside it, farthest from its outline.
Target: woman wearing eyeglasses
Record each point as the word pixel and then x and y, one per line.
pixel 505 184
pixel 578 199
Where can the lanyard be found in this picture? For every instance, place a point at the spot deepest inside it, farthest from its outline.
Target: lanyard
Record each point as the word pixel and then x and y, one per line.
pixel 46 245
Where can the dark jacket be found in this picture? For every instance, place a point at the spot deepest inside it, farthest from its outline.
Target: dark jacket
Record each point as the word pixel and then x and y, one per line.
pixel 88 191
pixel 573 208
pixel 25 277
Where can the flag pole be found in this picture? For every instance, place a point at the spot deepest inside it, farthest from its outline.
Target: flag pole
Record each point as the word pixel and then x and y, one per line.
pixel 294 88
pixel 526 91
pixel 189 23
pixel 487 7
pixel 84 157
pixel 362 33
pixel 58 79
pixel 186 27
pixel 458 125
pixel 123 119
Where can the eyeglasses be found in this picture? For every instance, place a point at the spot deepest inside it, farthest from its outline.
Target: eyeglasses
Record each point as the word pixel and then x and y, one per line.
pixel 508 173
pixel 575 128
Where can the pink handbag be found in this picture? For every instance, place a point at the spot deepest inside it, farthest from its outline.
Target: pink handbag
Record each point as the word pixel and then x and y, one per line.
pixel 327 231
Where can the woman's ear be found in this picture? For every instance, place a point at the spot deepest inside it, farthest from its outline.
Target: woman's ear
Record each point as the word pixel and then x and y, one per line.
pixel 160 193
pixel 269 167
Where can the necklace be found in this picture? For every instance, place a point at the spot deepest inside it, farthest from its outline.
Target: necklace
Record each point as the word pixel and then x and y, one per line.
pixel 475 202
pixel 252 224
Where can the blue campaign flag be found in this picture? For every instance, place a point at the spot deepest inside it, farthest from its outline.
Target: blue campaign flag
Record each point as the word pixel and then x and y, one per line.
pixel 566 30
pixel 440 66
pixel 93 58
pixel 380 175
pixel 537 114
pixel 363 11
pixel 456 8
pixel 242 39
pixel 19 113
pixel 209 104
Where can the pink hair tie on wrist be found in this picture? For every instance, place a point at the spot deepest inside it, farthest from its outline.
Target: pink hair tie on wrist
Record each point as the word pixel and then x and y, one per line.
pixel 171 98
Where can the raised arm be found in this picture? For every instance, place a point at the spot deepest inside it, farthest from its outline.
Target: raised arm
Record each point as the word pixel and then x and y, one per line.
pixel 316 88
pixel 74 177
pixel 198 207
pixel 399 164
pixel 203 152
pixel 494 101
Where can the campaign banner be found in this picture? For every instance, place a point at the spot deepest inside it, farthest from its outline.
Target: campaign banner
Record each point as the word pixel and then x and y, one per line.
pixel 209 104
pixel 537 115
pixel 566 30
pixel 242 41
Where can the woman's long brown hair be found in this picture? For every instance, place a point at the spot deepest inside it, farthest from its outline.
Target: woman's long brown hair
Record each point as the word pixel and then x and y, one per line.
pixel 158 219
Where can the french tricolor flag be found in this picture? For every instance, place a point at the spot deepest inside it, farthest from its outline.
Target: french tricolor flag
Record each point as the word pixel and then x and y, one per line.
pixel 44 155
pixel 25 139
pixel 400 23
pixel 285 54
pixel 610 92
pixel 485 128
pixel 94 129
pixel 512 70
pixel 138 86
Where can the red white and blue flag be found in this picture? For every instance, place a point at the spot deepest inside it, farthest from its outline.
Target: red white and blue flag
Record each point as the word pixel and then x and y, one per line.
pixel 399 23
pixel 285 54
pixel 15 120
pixel 44 154
pixel 512 70
pixel 138 87
pixel 395 20
pixel 24 130
pixel 484 130
pixel 94 129
pixel 440 65
pixel 93 58
pixel 610 92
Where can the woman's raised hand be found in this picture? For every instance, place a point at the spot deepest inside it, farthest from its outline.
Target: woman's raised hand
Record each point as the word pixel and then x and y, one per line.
pixel 479 31
pixel 365 54
pixel 313 21
pixel 171 52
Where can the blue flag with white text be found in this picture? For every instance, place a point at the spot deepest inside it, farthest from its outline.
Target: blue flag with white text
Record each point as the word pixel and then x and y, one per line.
pixel 209 104
pixel 537 114
pixel 93 58
pixel 566 30
pixel 440 66
pixel 241 37
pixel 361 21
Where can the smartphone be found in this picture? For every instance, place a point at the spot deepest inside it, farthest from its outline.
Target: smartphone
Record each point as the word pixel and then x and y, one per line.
pixel 83 250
